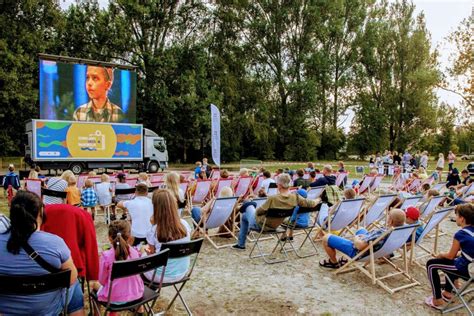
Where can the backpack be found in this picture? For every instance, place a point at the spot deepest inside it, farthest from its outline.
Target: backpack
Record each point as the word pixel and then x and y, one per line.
pixel 333 194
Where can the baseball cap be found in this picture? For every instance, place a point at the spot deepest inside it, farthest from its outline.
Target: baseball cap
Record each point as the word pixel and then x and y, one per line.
pixel 302 193
pixel 412 213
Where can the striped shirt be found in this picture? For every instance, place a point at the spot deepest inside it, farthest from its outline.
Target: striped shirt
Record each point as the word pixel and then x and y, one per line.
pixel 56 184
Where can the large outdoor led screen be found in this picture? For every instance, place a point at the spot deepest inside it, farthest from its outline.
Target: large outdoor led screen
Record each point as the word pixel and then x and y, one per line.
pixel 79 92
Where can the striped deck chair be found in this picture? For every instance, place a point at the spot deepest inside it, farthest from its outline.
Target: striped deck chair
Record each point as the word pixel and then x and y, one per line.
pixel 215 174
pixel 81 180
pixel 34 185
pixel 377 210
pixel 397 184
pixel 433 223
pixel 221 211
pixel 257 183
pixel 342 215
pixel 410 201
pixel 132 182
pixel 366 183
pixel 413 186
pixel 242 186
pixel 157 177
pixel 201 192
pixel 432 204
pixel 340 178
pixel 315 192
pixel 222 183
pixel 395 239
pixel 376 183
pixel 439 186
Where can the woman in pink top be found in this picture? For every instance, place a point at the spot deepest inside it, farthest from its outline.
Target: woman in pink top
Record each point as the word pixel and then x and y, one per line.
pixel 125 289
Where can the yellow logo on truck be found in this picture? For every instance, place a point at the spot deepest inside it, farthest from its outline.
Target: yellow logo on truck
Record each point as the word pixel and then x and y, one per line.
pixel 91 140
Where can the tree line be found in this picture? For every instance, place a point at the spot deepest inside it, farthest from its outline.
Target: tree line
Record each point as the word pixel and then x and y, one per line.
pixel 283 73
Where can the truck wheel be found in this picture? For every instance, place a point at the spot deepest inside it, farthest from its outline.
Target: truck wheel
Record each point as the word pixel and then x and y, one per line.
pixel 77 168
pixel 153 167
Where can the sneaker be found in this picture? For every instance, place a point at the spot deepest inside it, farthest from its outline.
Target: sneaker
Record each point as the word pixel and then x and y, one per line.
pixel 237 247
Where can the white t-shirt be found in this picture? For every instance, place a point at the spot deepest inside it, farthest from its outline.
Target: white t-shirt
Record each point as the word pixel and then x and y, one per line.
pixel 103 193
pixel 140 210
pixel 266 184
pixel 176 268
pixel 440 163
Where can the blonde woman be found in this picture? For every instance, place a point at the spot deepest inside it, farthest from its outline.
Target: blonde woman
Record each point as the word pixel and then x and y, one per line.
pixel 172 184
pixel 440 165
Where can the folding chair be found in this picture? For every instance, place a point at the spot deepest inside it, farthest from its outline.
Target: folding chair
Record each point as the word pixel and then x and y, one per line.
pixel 340 178
pixel 272 189
pixel 343 215
pixel 127 268
pixel 433 223
pixel 215 174
pixel 377 210
pixel 242 187
pixel 366 183
pixel 431 205
pixel 439 186
pixel 315 192
pixel 395 238
pixel 37 284
pixel 410 201
pixel 201 191
pixel 81 180
pixel 306 230
pixel 414 185
pixel 220 212
pixel 181 251
pixel 459 293
pixel 53 193
pixel 257 182
pixel 273 213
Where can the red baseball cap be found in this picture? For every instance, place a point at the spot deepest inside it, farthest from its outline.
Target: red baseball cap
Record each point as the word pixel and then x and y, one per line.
pixel 413 213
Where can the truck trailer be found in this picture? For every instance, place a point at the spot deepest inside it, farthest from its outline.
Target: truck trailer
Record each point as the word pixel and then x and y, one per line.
pixel 81 146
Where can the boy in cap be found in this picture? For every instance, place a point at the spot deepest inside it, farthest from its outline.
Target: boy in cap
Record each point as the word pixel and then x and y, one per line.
pixel 413 217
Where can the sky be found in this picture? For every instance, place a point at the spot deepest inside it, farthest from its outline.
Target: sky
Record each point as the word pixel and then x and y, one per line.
pixel 441 17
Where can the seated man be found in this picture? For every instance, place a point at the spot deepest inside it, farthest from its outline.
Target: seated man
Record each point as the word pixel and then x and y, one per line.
pixel 326 179
pixel 360 241
pixel 140 210
pixel 252 218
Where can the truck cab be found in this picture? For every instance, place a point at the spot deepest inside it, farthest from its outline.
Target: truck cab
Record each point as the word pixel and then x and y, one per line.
pixel 155 152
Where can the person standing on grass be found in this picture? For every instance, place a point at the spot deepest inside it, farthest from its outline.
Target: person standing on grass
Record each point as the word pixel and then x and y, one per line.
pixel 440 165
pixel 11 178
pixel 451 159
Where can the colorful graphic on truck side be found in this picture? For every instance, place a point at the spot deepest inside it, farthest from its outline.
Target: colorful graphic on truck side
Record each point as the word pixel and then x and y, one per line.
pixel 70 140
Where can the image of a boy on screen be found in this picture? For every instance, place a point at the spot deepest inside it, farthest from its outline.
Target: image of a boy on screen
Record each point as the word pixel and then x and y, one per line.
pixel 99 80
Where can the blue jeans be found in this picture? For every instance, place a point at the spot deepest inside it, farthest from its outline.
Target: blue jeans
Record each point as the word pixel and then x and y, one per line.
pixel 75 299
pixel 247 222
pixel 196 214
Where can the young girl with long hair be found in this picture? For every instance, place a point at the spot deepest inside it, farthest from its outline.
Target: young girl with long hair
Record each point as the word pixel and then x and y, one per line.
pixel 124 289
pixel 167 228
pixel 172 184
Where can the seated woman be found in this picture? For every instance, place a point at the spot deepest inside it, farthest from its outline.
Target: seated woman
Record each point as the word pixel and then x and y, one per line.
pixel 172 184
pixel 449 262
pixel 167 228
pixel 26 215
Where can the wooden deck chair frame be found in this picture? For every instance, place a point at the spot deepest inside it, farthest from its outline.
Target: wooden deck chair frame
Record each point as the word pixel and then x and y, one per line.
pixel 221 183
pixel 414 185
pixel 306 230
pixel 180 250
pixel 376 211
pixel 433 222
pixel 277 232
pixel 338 216
pixel 431 205
pixel 126 268
pixel 216 219
pixel 367 257
pixel 460 294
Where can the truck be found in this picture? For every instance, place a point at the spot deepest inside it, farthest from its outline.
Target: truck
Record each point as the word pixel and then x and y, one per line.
pixel 80 146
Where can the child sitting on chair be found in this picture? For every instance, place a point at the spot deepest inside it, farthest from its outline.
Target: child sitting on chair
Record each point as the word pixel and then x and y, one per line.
pixel 450 263
pixel 89 197
pixel 359 242
pixel 73 196
pixel 349 194
pixel 413 217
pixel 125 289
pixel 143 178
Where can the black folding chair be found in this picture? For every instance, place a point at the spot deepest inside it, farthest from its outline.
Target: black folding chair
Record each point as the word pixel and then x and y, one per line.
pixel 37 284
pixel 177 251
pixel 53 193
pixel 127 268
pixel 273 213
pixel 460 293
pixel 306 230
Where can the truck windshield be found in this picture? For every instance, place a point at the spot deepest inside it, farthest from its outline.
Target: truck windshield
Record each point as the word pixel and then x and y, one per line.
pixel 159 144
